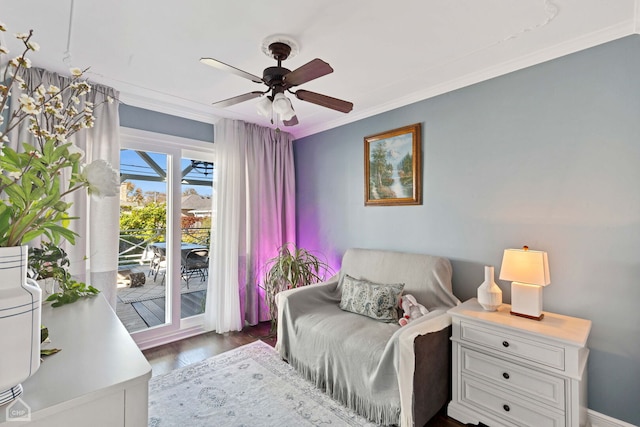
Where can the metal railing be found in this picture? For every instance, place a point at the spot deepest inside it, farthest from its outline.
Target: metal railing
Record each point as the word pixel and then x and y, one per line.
pixel 133 242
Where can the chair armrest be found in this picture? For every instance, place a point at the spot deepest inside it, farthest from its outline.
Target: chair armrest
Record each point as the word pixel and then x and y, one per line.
pixel 306 291
pixel 423 377
pixel 297 300
pixel 433 321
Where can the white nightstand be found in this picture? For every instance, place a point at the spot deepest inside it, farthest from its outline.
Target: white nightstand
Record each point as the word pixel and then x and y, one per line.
pixel 511 371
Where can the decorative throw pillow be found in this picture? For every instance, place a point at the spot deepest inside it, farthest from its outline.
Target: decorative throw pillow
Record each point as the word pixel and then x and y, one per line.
pixel 374 300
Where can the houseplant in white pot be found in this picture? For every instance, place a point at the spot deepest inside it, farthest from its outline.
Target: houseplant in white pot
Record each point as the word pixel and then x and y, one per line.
pixel 34 180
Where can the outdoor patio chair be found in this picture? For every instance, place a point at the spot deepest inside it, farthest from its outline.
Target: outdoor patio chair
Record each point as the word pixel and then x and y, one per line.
pixel 196 263
pixel 158 263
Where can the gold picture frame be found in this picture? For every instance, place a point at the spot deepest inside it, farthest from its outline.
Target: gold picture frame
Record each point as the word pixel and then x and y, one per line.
pixel 393 167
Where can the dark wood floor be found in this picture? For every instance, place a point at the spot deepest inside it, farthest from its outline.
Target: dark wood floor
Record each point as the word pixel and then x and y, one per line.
pixel 175 355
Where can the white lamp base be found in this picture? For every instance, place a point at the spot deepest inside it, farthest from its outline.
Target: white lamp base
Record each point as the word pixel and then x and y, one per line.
pixel 526 300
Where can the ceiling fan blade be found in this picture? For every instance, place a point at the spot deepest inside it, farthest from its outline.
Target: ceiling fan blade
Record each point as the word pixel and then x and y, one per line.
pixel 325 101
pixel 309 71
pixel 225 67
pixel 237 99
pixel 292 122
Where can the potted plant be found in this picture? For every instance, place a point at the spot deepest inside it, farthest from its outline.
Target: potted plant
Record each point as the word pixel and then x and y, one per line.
pixel 291 268
pixel 34 180
pixel 49 265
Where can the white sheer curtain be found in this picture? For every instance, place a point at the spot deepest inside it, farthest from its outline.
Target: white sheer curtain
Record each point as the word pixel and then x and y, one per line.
pixel 96 250
pixel 255 215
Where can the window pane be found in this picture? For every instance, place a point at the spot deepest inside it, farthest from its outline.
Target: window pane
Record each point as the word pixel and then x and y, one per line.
pixel 196 221
pixel 143 285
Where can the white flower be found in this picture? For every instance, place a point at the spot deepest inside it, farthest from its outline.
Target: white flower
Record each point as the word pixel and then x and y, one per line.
pixel 29 105
pixel 75 71
pixel 33 46
pixel 4 50
pixel 21 36
pixel 21 82
pixel 20 62
pixel 2 26
pixel 53 90
pixel 102 179
pixel 14 175
pixel 60 129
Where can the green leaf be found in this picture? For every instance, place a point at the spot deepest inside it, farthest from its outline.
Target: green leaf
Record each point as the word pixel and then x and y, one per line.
pixel 49 351
pixel 16 195
pixel 32 234
pixel 44 333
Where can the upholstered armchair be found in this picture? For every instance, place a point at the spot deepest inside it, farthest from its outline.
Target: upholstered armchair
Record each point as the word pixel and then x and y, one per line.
pixel 385 372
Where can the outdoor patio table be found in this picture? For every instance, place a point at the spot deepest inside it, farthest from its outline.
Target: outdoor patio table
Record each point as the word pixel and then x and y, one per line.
pixel 185 248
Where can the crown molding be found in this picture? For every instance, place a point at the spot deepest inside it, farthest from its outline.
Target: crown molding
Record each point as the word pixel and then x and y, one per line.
pixel 571 46
pixel 168 104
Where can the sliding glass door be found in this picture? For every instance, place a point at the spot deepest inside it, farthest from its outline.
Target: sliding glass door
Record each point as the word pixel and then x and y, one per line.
pixel 166 217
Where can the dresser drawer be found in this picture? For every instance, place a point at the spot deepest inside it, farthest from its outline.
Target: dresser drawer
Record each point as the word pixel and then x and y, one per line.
pixel 511 376
pixel 520 347
pixel 507 406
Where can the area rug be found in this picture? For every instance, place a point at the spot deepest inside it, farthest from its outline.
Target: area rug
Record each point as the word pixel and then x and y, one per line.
pixel 247 386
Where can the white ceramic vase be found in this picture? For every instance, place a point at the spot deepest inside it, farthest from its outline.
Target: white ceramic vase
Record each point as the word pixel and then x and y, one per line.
pixel 20 312
pixel 489 294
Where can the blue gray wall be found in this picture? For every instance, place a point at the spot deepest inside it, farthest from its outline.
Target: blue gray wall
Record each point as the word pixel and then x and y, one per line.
pixel 549 157
pixel 152 121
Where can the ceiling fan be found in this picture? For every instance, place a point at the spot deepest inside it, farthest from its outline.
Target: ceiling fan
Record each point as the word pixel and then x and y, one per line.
pixel 280 80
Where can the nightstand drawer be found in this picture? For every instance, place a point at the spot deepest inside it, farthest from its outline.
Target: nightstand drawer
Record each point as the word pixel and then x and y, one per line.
pixel 507 406
pixel 532 384
pixel 516 346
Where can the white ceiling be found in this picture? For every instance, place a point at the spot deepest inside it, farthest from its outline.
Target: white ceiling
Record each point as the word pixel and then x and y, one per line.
pixel 385 54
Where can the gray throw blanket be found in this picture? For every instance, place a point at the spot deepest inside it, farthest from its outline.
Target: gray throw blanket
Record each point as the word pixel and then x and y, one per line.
pixel 360 368
pixel 354 358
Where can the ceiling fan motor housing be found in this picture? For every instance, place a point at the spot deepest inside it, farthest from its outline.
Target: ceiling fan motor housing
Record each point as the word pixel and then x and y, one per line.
pixel 273 76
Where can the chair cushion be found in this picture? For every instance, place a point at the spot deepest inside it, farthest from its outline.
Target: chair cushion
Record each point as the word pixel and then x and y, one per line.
pixel 375 300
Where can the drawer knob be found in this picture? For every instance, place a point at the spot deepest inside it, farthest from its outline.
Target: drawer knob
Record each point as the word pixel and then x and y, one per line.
pixel 505 375
pixel 506 408
pixel 505 343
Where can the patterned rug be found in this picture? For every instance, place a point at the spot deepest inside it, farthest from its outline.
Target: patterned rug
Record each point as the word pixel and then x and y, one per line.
pixel 248 386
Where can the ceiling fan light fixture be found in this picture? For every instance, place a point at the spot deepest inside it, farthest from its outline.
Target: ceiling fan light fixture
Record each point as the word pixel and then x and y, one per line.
pixel 264 107
pixel 282 106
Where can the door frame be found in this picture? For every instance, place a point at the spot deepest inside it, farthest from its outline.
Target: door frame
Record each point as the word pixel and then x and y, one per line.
pixel 175 148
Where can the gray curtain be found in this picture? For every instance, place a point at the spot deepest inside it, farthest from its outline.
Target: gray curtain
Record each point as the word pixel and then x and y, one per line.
pixel 94 257
pixel 255 215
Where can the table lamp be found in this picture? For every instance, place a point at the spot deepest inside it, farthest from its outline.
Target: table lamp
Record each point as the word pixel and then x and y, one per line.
pixel 529 272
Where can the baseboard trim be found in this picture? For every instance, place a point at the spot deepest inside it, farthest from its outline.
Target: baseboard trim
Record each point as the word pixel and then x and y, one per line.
pixel 600 420
pixel 144 344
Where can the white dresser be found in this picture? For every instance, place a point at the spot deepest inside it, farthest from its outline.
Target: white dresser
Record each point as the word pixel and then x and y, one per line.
pixel 512 371
pixel 100 378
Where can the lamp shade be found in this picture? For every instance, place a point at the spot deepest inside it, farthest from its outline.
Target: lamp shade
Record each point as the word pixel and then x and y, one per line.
pixel 282 106
pixel 525 266
pixel 264 107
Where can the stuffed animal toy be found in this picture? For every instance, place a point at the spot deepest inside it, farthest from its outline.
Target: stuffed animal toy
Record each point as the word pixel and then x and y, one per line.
pixel 411 308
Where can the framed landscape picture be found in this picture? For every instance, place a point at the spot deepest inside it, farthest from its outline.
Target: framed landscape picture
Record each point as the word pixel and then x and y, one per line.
pixel 393 168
